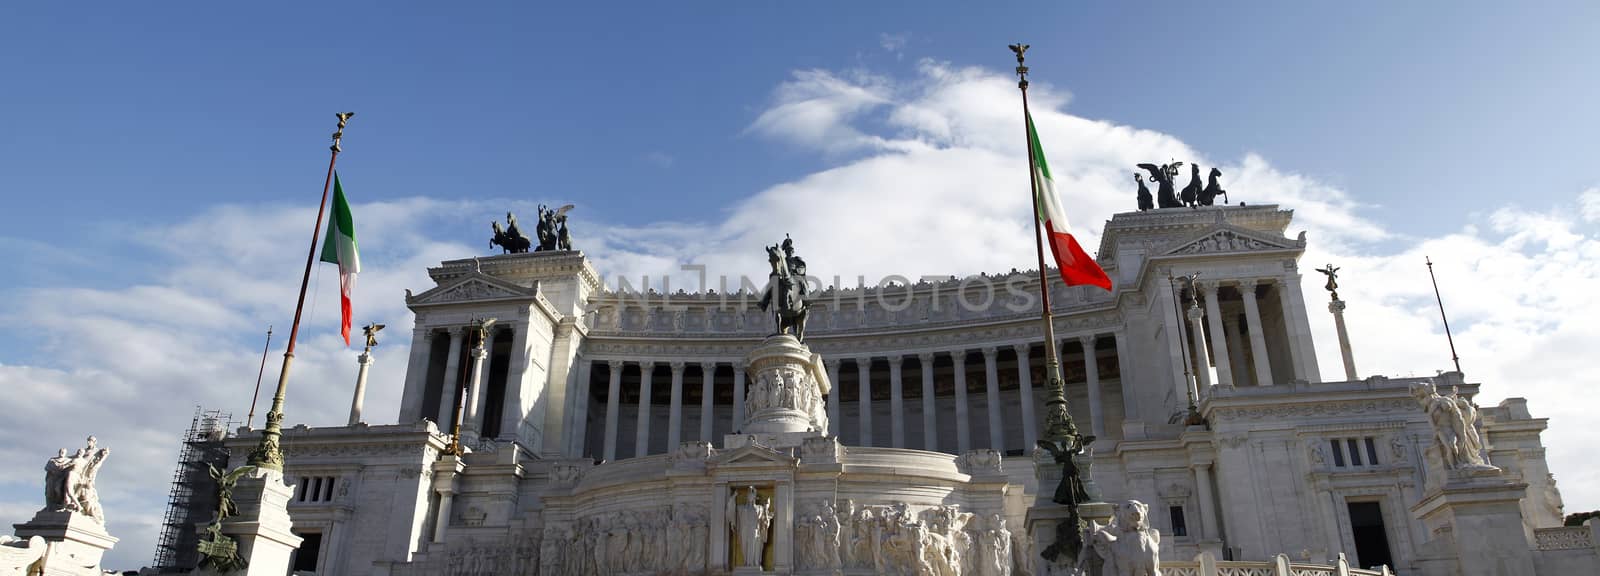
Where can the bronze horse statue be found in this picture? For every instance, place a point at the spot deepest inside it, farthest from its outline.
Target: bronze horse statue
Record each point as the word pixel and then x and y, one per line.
pixel 786 290
pixel 1208 196
pixel 1191 193
pixel 510 240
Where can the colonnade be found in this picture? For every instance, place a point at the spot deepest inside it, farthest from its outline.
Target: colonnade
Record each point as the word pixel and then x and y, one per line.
pixel 475 377
pixel 646 427
pixel 1224 332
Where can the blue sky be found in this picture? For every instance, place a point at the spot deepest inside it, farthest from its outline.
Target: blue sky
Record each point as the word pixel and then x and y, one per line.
pixel 132 135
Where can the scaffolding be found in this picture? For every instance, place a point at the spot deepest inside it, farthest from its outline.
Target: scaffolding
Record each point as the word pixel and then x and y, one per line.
pixel 193 493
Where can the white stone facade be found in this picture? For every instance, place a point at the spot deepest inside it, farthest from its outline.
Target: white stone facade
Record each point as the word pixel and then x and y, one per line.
pixel 606 414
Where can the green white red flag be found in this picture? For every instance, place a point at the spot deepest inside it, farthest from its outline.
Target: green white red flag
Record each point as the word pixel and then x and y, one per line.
pixel 1076 267
pixel 339 247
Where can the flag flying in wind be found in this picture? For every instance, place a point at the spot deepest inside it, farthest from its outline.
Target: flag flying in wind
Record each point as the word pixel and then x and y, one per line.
pixel 1076 267
pixel 339 247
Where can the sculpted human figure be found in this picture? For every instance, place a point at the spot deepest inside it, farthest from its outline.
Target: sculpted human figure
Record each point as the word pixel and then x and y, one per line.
pixel 88 495
pixel 1146 201
pixel 828 535
pixel 750 519
pixel 1455 431
pixel 58 493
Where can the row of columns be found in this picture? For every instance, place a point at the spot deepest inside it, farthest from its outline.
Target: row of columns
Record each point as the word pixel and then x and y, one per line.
pixel 996 431
pixel 422 347
pixel 1228 360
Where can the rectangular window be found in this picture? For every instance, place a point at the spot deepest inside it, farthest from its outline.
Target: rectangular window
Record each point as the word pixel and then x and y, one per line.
pixel 1372 452
pixel 1355 452
pixel 1338 453
pixel 1180 527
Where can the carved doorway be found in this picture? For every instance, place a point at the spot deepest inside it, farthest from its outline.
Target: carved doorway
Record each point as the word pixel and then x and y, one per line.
pixel 1372 541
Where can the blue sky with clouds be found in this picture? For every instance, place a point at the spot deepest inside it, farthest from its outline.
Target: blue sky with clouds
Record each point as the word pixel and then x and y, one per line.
pixel 158 163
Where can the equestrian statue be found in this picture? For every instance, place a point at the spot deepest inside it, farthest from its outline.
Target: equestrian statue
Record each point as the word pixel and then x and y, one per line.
pixel 785 297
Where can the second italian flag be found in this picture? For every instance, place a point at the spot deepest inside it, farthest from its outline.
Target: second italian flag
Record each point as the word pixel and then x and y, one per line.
pixel 339 247
pixel 1076 267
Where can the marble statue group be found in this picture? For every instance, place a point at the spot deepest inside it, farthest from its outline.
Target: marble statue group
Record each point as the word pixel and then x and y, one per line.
pixel 69 481
pixel 1455 428
pixel 1164 177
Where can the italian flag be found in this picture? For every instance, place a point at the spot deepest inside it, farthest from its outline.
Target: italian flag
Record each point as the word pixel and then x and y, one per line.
pixel 1076 267
pixel 339 247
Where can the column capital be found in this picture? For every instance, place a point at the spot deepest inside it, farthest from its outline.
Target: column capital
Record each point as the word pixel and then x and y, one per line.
pixel 1207 287
pixel 479 352
pixel 896 359
pixel 458 331
pixel 925 358
pixel 1087 340
pixel 958 356
pixel 615 364
pixel 832 363
pixel 989 352
pixel 1247 287
pixel 647 365
pixel 708 366
pixel 365 359
pixel 1023 350
pixel 677 366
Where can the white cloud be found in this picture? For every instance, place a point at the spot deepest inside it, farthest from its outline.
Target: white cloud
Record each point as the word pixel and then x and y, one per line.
pixel 894 43
pixel 1589 205
pixel 937 185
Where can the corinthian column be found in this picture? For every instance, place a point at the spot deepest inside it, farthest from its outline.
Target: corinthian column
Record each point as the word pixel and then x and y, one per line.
pixel 738 396
pixel 365 361
pixel 1030 427
pixel 963 410
pixel 675 408
pixel 835 421
pixel 897 404
pixel 991 373
pixel 1258 342
pixel 1219 335
pixel 475 396
pixel 1337 308
pixel 1202 364
pixel 930 432
pixel 864 374
pixel 452 380
pixel 641 436
pixel 1091 371
pixel 613 405
pixel 708 374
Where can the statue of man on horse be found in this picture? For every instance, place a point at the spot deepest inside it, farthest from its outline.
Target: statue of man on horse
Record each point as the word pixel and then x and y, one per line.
pixel 785 297
pixel 511 239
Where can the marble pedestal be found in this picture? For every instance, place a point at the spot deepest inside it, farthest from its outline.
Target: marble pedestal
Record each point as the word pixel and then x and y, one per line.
pixel 1477 526
pixel 262 527
pixel 76 542
pixel 1045 517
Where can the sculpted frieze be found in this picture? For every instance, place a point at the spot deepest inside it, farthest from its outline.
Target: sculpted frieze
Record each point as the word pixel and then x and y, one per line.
pixel 1288 411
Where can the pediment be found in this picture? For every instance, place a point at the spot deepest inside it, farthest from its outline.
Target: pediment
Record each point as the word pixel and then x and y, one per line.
pixel 753 454
pixel 1227 239
pixel 475 287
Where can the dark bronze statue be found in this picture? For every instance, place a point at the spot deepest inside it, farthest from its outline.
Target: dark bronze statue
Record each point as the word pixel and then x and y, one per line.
pixel 1213 189
pixel 1191 193
pixel 785 297
pixel 1333 280
pixel 511 240
pixel 1162 175
pixel 1064 443
pixel 552 230
pixel 1146 201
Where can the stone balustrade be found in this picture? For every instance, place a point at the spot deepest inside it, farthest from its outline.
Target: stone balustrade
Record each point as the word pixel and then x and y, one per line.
pixel 1206 565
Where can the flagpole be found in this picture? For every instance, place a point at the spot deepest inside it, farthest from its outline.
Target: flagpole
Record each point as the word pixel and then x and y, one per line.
pixel 1058 421
pixel 259 371
pixel 1447 336
pixel 267 455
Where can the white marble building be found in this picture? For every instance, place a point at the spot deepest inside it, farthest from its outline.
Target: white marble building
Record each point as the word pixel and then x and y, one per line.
pixel 607 423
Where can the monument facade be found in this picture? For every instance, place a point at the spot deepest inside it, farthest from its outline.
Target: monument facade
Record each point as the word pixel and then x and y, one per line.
pixel 896 429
